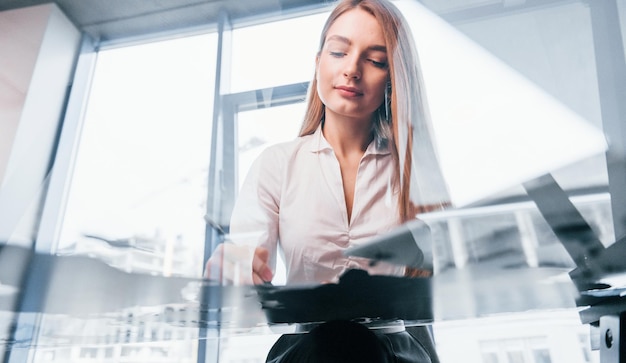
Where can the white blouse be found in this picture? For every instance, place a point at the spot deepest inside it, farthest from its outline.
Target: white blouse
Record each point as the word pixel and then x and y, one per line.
pixel 292 202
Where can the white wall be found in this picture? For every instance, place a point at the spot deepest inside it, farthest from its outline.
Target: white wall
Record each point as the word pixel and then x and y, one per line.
pixel 21 34
pixel 38 49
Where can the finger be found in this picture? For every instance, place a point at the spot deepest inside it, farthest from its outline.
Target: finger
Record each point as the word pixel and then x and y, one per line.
pixel 416 272
pixel 212 268
pixel 230 263
pixel 257 280
pixel 236 273
pixel 228 273
pixel 261 271
pixel 262 254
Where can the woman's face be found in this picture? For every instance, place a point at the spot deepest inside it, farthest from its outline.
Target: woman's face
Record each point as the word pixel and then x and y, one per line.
pixel 352 67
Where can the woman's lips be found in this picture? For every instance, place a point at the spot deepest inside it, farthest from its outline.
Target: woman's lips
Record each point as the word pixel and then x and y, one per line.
pixel 349 91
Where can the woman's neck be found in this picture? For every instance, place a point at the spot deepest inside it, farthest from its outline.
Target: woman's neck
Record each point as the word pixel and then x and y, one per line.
pixel 347 136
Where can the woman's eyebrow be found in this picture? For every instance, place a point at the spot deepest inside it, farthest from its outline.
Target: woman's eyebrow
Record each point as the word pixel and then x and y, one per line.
pixel 342 39
pixel 378 48
pixel 339 38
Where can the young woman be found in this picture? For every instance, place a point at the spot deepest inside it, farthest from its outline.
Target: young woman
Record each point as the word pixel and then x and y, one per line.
pixel 352 174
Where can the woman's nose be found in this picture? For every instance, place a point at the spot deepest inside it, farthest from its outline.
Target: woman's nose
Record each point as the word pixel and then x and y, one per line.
pixel 352 68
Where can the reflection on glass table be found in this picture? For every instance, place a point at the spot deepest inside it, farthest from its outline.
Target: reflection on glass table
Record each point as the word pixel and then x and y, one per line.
pixel 487 262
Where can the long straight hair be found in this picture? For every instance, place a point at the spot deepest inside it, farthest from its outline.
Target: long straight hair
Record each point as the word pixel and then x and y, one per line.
pixel 406 116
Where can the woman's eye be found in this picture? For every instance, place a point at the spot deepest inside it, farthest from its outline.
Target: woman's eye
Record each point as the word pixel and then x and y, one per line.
pixel 379 64
pixel 337 54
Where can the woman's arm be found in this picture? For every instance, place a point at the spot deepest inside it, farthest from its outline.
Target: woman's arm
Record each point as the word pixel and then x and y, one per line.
pixel 250 249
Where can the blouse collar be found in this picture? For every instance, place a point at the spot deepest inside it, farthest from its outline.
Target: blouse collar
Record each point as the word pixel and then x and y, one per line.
pixel 319 143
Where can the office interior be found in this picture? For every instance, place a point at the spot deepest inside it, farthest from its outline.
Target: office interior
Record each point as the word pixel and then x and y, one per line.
pixel 127 128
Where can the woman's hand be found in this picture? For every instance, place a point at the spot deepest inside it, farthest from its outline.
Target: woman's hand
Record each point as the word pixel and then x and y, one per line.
pixel 261 272
pixel 239 265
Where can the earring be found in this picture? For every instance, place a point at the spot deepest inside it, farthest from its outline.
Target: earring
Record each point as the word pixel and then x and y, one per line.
pixel 387 101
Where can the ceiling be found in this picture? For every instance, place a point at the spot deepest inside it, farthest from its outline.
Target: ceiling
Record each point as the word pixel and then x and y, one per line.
pixel 111 20
pixel 116 20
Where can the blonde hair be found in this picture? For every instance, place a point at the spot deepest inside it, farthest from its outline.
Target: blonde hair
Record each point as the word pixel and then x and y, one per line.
pixel 407 115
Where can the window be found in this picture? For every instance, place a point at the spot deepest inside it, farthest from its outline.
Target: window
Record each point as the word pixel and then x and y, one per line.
pixel 516 350
pixel 260 128
pixel 89 352
pixel 276 53
pixel 138 192
pixel 490 357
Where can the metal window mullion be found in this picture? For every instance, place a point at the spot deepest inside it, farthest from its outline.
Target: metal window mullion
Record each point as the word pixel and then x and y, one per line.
pixel 209 338
pixel 62 171
pixel 611 71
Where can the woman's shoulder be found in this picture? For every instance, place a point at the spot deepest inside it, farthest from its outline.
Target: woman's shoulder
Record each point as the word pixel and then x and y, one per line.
pixel 276 160
pixel 285 150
